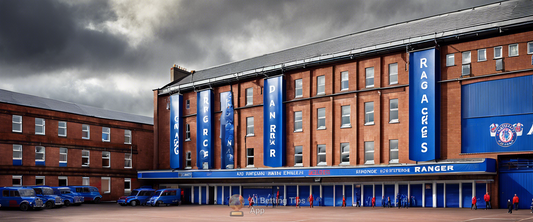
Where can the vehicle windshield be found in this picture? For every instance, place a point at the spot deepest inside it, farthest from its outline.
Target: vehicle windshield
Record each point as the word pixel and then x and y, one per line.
pixel 27 192
pixel 157 193
pixel 64 191
pixel 134 193
pixel 48 191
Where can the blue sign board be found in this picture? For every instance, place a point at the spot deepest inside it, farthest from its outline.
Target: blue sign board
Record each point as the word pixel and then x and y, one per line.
pixel 204 130
pixel 175 131
pixel 273 122
pixel 226 130
pixel 424 105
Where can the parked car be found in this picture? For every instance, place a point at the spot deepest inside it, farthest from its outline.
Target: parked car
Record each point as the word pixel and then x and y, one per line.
pixel 47 194
pixel 165 196
pixel 68 196
pixel 89 193
pixel 137 197
pixel 23 198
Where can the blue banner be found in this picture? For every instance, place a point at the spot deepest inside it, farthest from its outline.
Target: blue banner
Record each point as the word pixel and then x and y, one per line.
pixel 273 122
pixel 175 131
pixel 226 130
pixel 424 105
pixel 204 130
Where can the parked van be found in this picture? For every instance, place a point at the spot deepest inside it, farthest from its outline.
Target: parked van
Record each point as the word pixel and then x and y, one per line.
pixel 68 196
pixel 165 196
pixel 90 194
pixel 47 194
pixel 137 197
pixel 23 198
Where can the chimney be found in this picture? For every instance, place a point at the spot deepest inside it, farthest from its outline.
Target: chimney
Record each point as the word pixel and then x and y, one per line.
pixel 177 73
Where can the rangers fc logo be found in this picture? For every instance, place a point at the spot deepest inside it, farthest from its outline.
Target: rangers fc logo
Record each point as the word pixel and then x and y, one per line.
pixel 506 134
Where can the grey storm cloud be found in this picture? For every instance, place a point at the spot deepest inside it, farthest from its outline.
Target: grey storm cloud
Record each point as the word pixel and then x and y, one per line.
pixel 111 54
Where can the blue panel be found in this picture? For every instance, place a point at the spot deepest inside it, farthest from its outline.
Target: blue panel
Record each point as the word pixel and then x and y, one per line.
pixel 204 130
pixel 467 195
pixel 304 195
pixel 235 190
pixel 40 163
pixel 440 195
pixel 63 164
pixel 348 195
pixel 481 189
pixel 424 93
pixel 338 195
pixel 226 135
pixel 429 195
pixel 226 195
pixel 416 195
pixel 389 192
pixel 402 189
pixel 220 201
pixel 291 195
pixel 357 194
pixel 452 195
pixel 204 195
pixel 519 183
pixel 327 195
pixel 17 162
pixel 368 194
pixel 176 130
pixel 274 122
pixel 316 196
pixel 379 195
pixel 196 195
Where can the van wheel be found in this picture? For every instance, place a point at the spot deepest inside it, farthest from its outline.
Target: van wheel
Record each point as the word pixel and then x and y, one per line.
pixel 66 203
pixel 49 205
pixel 134 203
pixel 158 203
pixel 24 206
pixel 97 200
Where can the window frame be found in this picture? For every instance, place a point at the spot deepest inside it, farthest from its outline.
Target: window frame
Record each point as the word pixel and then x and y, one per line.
pixel 346 115
pixel 187 104
pixel 321 86
pixel 83 179
pixel 529 48
pixel 484 54
pixel 127 190
pixel 59 127
pixel 88 130
pixel 108 184
pixel 345 153
pixel 18 123
pixel 368 113
pixel 43 152
pixel 250 127
pixel 368 77
pixel 301 155
pixel 127 134
pixel 394 150
pixel 62 178
pixel 370 151
pixel 296 88
pixel 450 59
pixel 319 127
pixel 517 50
pixel 296 121
pixel 108 157
pixel 249 98
pixel 187 132
pixel 40 178
pixel 126 159
pixel 250 157
pixel 88 158
pixel 391 110
pixel 15 177
pixel 466 62
pixel 42 124
pixel 393 74
pixel 188 160
pixel 319 154
pixel 106 130
pixel 19 146
pixel 63 154
pixel 345 80
pixel 501 52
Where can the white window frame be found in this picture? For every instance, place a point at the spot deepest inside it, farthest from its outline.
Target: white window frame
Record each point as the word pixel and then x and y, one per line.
pixel 188 160
pixel 298 120
pixel 187 104
pixel 392 73
pixel 59 127
pixel 466 57
pixel 392 149
pixel 249 98
pixel 62 178
pixel 369 151
pixel 517 50
pixel 128 156
pixel 108 184
pixel 319 154
pixel 84 180
pixel 481 52
pixel 128 136
pixel 88 130
pixel 127 190
pixel 345 153
pixel 368 113
pixel 319 127
pixel 450 59
pixel 40 178
pixel 43 152
pixel 248 157
pixel 187 132
pixel 250 126
pixel 14 121
pixel 41 124
pixel 391 110
pixel 88 158
pixel 106 130
pixel 17 148
pixel 63 154
pixel 530 48
pixel 321 85
pixel 369 75
pixel 298 85
pixel 298 154
pixel 14 177
pixel 346 115
pixel 500 48
pixel 106 157
pixel 345 77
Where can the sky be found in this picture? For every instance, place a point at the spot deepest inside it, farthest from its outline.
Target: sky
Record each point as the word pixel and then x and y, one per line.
pixel 112 54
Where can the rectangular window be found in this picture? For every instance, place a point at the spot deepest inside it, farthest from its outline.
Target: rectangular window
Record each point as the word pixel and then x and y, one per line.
pixel 188 160
pixel 393 114
pixel 369 77
pixel 497 52
pixel 85 181
pixel 249 96
pixel 187 132
pixel 321 85
pixel 393 147
pixel 106 134
pixel 40 153
pixel 85 132
pixel 17 152
pixel 17 180
pixel 466 58
pixel 62 129
pixel 530 48
pixel 369 152
pixel 321 155
pixel 17 124
pixel 481 55
pixel 298 156
pixel 393 73
pixel 450 60
pixel 187 104
pixel 106 184
pixel 298 121
pixel 465 69
pixel 344 81
pixel 345 116
pixel 298 88
pixel 39 126
pixel 85 158
pixel 106 159
pixel 369 113
pixel 321 118
pixel 127 160
pixel 250 157
pixel 127 186
pixel 345 153
pixel 63 155
pixel 39 180
pixel 499 64
pixel 63 181
pixel 513 50
pixel 127 136
pixel 250 126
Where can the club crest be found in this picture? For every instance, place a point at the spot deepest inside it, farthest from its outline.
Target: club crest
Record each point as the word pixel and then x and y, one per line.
pixel 506 134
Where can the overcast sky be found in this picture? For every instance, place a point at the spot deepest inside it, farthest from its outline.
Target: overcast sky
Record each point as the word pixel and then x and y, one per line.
pixel 112 54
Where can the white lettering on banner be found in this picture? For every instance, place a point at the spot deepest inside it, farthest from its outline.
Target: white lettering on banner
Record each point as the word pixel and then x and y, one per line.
pixel 424 99
pixel 272 103
pixel 205 132
pixel 423 62
pixel 206 119
pixel 205 142
pixel 530 131
pixel 425 169
pixel 272 115
pixel 176 136
pixel 395 170
pixel 272 153
pixel 425 114
pixel 424 146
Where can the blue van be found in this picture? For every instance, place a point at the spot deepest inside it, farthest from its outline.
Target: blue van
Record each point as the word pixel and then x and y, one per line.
pixel 137 197
pixel 49 198
pixel 68 196
pixel 165 196
pixel 89 193
pixel 23 198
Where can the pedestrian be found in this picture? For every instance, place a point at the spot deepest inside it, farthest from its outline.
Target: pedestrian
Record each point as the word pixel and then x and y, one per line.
pixel 474 203
pixel 487 201
pixel 311 201
pixel 343 201
pixel 398 201
pixel 357 199
pixel 297 202
pixel 531 206
pixel 250 201
pixel 277 197
pixel 182 195
pixel 515 202
pixel 373 202
pixel 509 206
pixel 268 200
pixel 388 202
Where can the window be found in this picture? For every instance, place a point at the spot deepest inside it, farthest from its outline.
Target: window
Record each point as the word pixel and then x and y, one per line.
pixel 85 158
pixel 345 153
pixel 321 118
pixel 188 160
pixel 345 115
pixel 450 60
pixel 187 104
pixel 249 96
pixel 298 88
pixel 466 60
pixel 62 129
pixel 321 85
pixel 63 181
pixel 499 64
pixel 321 155
pixel 106 132
pixel 39 180
pixel 127 160
pixel 393 147
pixel 369 152
pixel 39 153
pixel 17 124
pixel 250 157
pixel 344 81
pixel 85 132
pixel 250 126
pixel 298 156
pixel 17 152
pixel 106 159
pixel 298 121
pixel 106 185
pixel 369 77
pixel 187 132
pixel 63 154
pixel 127 186
pixel 530 48
pixel 127 136
pixel 513 50
pixel 393 114
pixel 17 180
pixel 393 73
pixel 39 126
pixel 481 55
pixel 369 113
pixel 497 52
pixel 85 181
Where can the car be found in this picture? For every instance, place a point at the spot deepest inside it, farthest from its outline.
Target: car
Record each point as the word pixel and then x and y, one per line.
pixel 68 196
pixel 137 197
pixel 23 198
pixel 89 193
pixel 49 198
pixel 165 196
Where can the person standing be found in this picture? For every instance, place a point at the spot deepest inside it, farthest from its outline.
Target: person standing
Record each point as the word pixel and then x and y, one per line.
pixel 277 197
pixel 474 203
pixel 311 201
pixel 343 201
pixel 182 195
pixel 487 201
pixel 515 202
pixel 250 201
pixel 531 206
pixel 297 202
pixel 509 206
pixel 388 202
pixel 373 202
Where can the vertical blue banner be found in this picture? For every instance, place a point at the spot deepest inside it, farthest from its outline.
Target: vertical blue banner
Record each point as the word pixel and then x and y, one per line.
pixel 424 105
pixel 226 130
pixel 175 131
pixel 204 130
pixel 274 122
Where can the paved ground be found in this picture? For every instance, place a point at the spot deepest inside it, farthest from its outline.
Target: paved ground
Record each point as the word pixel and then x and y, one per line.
pixel 112 212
